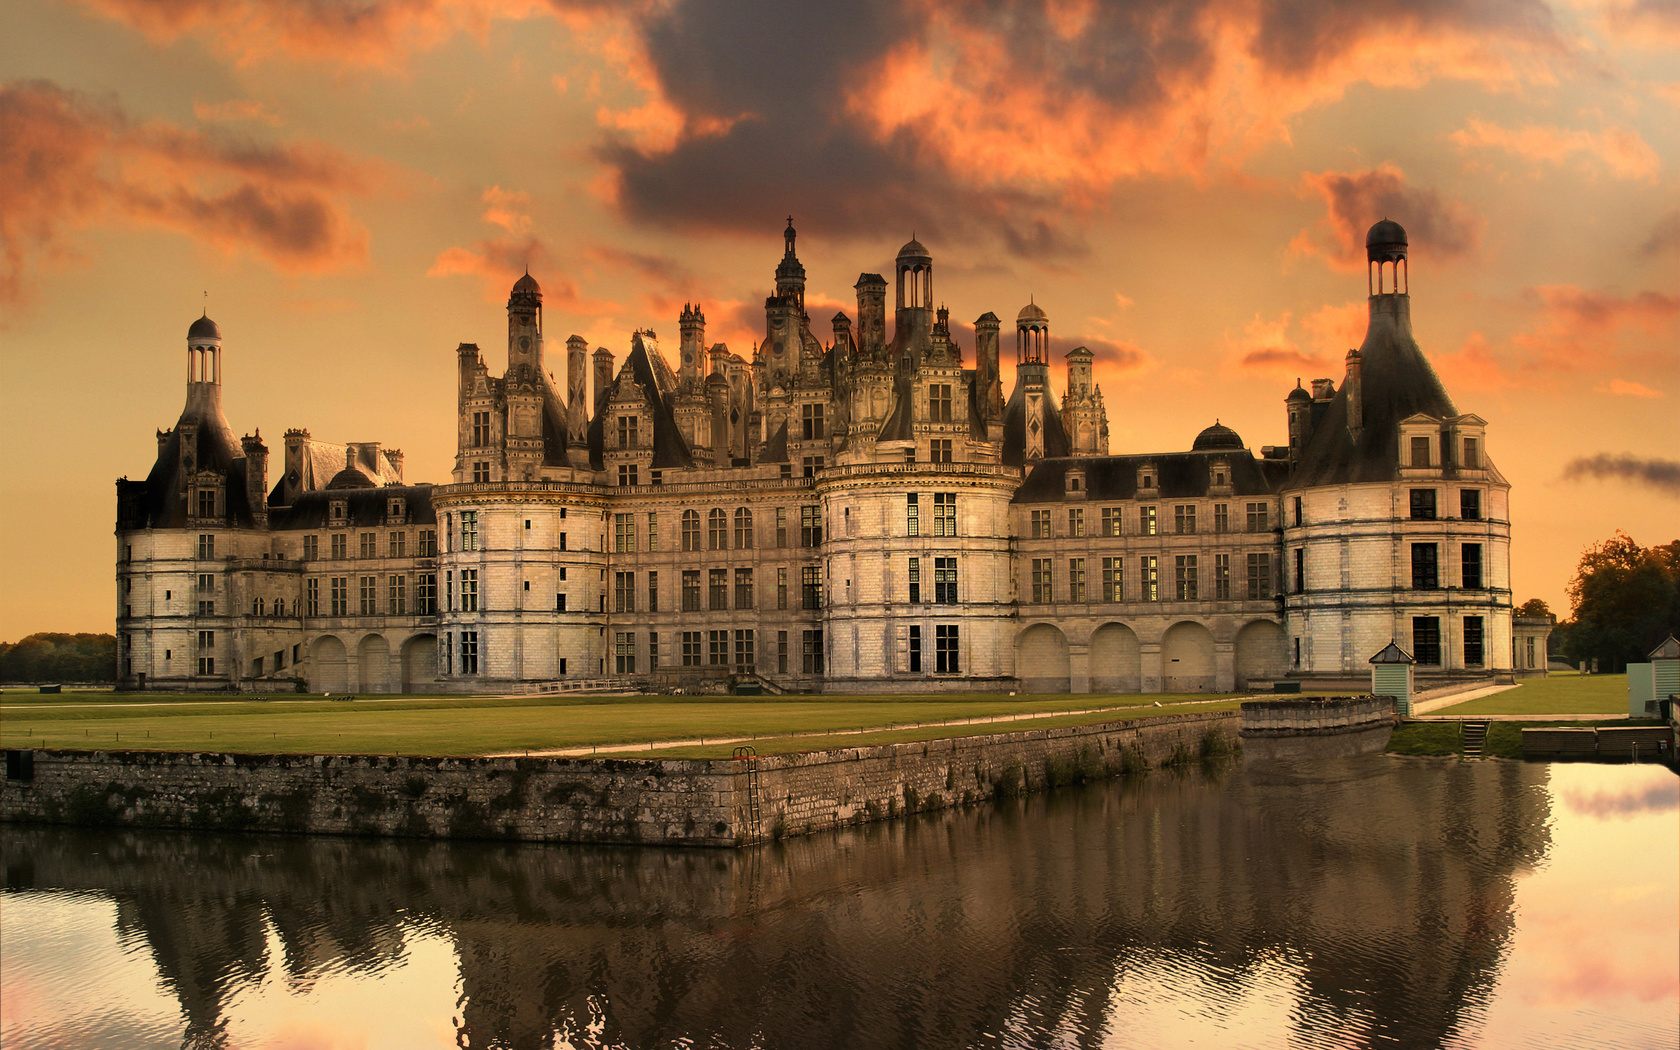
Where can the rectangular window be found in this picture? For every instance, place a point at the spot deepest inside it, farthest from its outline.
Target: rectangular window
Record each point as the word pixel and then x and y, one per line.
pixel 717 530
pixel 1426 574
pixel 1259 576
pixel 1076 579
pixel 469 530
pixel 207 608
pixel 945 580
pixel 624 533
pixel 1300 570
pixel 811 421
pixel 624 647
pixel 1221 577
pixel 781 588
pixel 1111 521
pixel 311 548
pixel 745 660
pixel 1221 517
pixel 427 543
pixel 1076 522
pixel 743 588
pixel 628 474
pixel 206 581
pixel 340 546
pixel 743 529
pixel 1149 579
pixel 469 590
pixel 369 545
pixel 207 546
pixel 1258 518
pixel 653 530
pixel 691 590
pixel 447 657
pixel 812 644
pixel 912 515
pixel 559 603
pixel 469 652
pixel 1470 504
pixel 480 429
pixel 717 648
pixel 653 651
pixel 945 649
pixel 341 595
pixel 691 648
pixel 781 652
pixel 1473 648
pixel 810 526
pixel 481 476
pixel 1184 577
pixel 624 592
pixel 206 652
pixel 781 527
pixel 396 595
pixel 939 450
pixel 1041 525
pixel 1113 580
pixel 1300 511
pixel 915 580
pixel 425 594
pixel 1146 521
pixel 1043 586
pixel 1420 458
pixel 812 464
pixel 1423 504
pixel 717 588
pixel 1184 518
pixel 653 591
pixel 939 403
pixel 1471 559
pixel 915 649
pixel 207 503
pixel 399 545
pixel 810 586
pixel 312 597
pixel 1426 640
pixel 1472 455
pixel 449 589
pixel 628 435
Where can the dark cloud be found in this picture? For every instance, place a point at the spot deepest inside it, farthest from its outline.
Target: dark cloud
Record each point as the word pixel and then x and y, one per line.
pixel 1660 474
pixel 1665 236
pixel 1274 356
pixel 1354 200
pixel 1298 38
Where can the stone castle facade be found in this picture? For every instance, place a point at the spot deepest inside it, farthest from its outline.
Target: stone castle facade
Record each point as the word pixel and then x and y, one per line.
pixel 864 512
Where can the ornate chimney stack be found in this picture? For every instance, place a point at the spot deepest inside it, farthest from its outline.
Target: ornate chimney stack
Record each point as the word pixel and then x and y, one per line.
pixel 256 477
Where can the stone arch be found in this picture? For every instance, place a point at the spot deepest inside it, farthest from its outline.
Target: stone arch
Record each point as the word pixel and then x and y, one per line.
pixel 1187 658
pixel 1041 660
pixel 419 661
pixel 373 665
pixel 329 666
pixel 1262 653
pixel 1116 660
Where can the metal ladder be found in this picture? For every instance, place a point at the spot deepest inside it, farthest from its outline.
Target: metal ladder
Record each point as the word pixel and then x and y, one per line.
pixel 749 754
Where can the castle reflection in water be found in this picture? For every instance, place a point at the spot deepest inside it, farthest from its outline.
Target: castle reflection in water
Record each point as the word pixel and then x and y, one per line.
pixel 1385 886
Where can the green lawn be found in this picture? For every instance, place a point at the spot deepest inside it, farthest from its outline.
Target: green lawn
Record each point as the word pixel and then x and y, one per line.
pixel 1504 739
pixel 474 726
pixel 1560 694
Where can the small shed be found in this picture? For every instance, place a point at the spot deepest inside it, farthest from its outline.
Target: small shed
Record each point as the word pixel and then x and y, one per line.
pixel 1391 675
pixel 1665 670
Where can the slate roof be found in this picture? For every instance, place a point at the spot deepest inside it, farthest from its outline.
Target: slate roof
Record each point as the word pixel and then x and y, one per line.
pixel 161 500
pixel 366 508
pixel 1178 475
pixel 1015 426
pixel 658 384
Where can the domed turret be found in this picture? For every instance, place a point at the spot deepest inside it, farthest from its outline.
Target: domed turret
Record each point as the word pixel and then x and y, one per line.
pixel 526 286
pixel 914 251
pixel 1032 312
pixel 1385 259
pixel 204 329
pixel 1032 335
pixel 1217 437
pixel 1385 238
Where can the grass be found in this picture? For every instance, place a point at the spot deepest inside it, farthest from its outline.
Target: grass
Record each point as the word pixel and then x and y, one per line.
pixel 1504 739
pixel 1559 694
pixel 475 726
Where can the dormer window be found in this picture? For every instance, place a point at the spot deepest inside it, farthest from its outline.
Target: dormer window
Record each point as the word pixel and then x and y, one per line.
pixel 338 511
pixel 629 435
pixel 1472 454
pixel 1420 452
pixel 396 510
pixel 1076 481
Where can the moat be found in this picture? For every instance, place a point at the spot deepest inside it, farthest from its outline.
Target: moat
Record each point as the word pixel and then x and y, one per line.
pixel 1358 902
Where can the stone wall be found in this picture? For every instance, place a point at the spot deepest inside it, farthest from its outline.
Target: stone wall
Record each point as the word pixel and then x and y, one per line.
pixel 1314 713
pixel 632 801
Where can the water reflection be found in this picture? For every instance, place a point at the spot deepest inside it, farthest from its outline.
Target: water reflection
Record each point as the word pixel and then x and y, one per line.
pixel 1355 903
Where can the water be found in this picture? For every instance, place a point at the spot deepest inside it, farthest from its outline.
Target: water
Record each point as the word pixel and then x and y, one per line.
pixel 1367 902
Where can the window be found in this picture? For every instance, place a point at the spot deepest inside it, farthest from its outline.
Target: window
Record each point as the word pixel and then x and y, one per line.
pixel 945 649
pixel 481 476
pixel 624 533
pixel 717 648
pixel 369 545
pixel 425 594
pixel 207 652
pixel 427 543
pixel 1076 521
pixel 624 646
pixel 1471 558
pixel 340 546
pixel 653 530
pixel 480 429
pixel 691 648
pixel 399 545
pixel 1146 522
pixel 624 592
pixel 1041 525
pixel 1113 580
pixel 915 652
pixel 469 590
pixel 1149 579
pixel 207 546
pixel 1425 568
pixel 811 422
pixel 1076 579
pixel 1470 504
pixel 811 465
pixel 1472 461
pixel 447 657
pixel 810 526
pixel 207 503
pixel 810 587
pixel 206 581
pixel 912 515
pixel 787 471
pixel 627 474
pixel 311 548
pixel 743 588
pixel 910 455
pixel 717 529
pixel 207 608
pixel 944 513
pixel 1259 575
pixel 690 530
pixel 469 652
pixel 369 588
pixel 1043 587
pixel 562 541
pixel 717 588
pixel 812 644
pixel 337 510
pixel 559 603
pixel 1184 518
pixel 1420 458
pixel 1221 577
pixel 312 597
pixel 469 530
pixel 653 650
pixel 743 528
pixel 945 580
pixel 1423 504
pixel 1221 517
pixel 1111 521
pixel 691 590
pixel 628 436
pixel 915 580
pixel 745 661
pixel 939 450
pixel 340 595
pixel 939 403
pixel 1426 640
pixel 1473 647
pixel 1258 518
pixel 781 527
pixel 449 589
pixel 1300 511
pixel 653 591
pixel 781 588
pixel 1300 570
pixel 1184 577
pixel 781 652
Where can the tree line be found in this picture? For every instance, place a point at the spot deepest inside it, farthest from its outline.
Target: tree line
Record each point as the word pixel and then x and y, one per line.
pixel 1626 600
pixel 54 657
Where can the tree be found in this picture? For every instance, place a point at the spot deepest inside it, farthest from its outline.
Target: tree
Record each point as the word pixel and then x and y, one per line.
pixel 55 657
pixel 1533 607
pixel 1626 599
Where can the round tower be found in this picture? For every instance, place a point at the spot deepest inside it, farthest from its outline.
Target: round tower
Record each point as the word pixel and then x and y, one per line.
pixel 1032 336
pixel 1385 259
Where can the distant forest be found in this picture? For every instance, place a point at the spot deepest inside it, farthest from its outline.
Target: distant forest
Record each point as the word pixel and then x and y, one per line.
pixel 50 657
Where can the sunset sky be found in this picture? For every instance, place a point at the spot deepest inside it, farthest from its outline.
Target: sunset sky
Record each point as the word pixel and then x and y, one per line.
pixel 1183 185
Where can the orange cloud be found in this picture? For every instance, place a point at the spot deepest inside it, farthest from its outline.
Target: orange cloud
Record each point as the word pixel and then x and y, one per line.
pixel 236 109
pixel 1648 23
pixel 1623 388
pixel 1356 199
pixel 1620 152
pixel 500 261
pixel 1273 346
pixel 68 162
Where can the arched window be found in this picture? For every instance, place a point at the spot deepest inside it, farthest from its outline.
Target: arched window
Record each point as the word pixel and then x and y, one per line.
pixel 717 529
pixel 743 528
pixel 690 530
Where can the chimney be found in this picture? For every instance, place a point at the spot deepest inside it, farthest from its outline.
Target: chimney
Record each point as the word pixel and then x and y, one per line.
pixel 256 477
pixel 1354 388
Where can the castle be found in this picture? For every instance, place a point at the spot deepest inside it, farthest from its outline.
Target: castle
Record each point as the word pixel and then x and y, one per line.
pixel 863 514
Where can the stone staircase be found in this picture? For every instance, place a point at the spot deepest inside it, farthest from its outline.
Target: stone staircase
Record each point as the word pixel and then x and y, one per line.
pixel 1474 735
